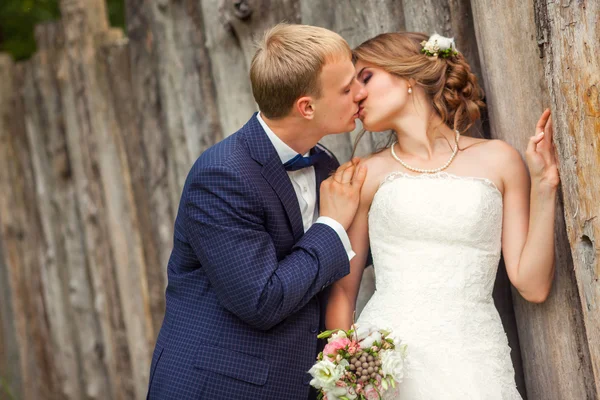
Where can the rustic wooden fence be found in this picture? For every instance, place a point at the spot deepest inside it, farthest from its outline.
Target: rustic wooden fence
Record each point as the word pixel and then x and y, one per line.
pixel 98 131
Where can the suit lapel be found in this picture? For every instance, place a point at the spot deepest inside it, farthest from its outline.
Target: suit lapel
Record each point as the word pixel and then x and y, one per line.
pixel 275 174
pixel 262 150
pixel 323 170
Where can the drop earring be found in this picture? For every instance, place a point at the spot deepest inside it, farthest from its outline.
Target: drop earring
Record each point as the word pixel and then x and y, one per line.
pixel 409 89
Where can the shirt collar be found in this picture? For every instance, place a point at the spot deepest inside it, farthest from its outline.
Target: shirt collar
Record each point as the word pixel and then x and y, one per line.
pixel 285 152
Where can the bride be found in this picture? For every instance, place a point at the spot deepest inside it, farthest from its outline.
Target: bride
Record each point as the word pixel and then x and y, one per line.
pixel 437 208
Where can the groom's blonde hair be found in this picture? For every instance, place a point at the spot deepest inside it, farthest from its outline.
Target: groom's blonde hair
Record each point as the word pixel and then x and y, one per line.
pixel 288 63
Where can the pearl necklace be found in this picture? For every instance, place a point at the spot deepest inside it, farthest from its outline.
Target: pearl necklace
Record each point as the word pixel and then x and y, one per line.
pixel 428 171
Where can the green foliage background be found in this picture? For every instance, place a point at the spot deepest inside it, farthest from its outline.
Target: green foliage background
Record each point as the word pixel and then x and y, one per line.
pixel 19 17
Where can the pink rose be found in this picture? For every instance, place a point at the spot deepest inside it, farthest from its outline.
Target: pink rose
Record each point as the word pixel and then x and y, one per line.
pixel 334 346
pixel 371 393
pixel 353 347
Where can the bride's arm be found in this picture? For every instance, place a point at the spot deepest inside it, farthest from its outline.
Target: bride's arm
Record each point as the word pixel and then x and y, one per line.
pixel 342 297
pixel 529 212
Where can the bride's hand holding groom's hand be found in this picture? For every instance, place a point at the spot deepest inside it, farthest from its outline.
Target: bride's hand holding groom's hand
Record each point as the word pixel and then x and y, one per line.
pixel 340 193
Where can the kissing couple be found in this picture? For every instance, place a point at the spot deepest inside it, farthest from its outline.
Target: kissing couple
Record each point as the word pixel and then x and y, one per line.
pixel 272 235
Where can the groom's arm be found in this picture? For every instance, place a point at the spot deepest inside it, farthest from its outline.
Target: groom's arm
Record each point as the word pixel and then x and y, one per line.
pixel 225 227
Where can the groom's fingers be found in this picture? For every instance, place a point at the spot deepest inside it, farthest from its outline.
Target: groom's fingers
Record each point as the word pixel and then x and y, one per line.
pixel 359 176
pixel 339 174
pixel 348 174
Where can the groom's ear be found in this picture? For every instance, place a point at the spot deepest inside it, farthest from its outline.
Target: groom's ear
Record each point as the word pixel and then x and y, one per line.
pixel 306 107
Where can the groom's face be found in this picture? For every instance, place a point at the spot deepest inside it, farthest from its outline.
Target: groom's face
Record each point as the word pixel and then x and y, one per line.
pixel 337 108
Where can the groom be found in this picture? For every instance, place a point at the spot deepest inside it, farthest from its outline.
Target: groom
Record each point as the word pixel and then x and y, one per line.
pixel 261 231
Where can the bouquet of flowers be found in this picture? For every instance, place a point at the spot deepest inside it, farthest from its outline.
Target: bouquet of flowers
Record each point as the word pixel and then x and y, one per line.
pixel 361 363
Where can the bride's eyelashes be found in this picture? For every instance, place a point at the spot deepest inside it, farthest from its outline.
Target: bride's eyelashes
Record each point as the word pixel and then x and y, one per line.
pixel 365 78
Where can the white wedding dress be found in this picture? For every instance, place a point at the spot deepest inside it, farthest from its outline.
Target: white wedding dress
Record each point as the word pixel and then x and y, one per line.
pixel 435 241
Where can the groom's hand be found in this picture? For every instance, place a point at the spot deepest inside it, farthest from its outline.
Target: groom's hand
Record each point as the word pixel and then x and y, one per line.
pixel 340 193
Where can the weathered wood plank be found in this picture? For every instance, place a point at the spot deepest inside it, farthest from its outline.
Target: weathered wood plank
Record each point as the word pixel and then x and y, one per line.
pixel 229 67
pixel 11 226
pixel 84 113
pixel 22 242
pixel 567 37
pixel 250 19
pixel 41 117
pixel 175 38
pixel 153 169
pixel 115 72
pixel 513 77
pixel 123 219
pixel 10 377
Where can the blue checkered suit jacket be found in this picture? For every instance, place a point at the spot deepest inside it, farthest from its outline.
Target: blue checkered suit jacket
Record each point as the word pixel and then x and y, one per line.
pixel 242 302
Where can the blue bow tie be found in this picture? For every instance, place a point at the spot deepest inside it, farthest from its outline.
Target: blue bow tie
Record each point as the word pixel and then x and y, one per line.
pixel 300 162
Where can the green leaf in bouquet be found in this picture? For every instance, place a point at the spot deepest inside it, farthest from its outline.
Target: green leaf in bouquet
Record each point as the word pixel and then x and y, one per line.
pixel 393 383
pixel 384 384
pixel 326 334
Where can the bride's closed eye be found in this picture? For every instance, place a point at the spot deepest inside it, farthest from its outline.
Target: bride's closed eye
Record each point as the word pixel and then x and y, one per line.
pixel 365 78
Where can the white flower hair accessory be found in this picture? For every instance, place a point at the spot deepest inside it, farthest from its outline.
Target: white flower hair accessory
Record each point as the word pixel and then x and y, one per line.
pixel 439 46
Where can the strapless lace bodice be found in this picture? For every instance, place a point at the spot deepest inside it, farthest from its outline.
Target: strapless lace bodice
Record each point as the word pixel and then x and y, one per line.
pixel 436 244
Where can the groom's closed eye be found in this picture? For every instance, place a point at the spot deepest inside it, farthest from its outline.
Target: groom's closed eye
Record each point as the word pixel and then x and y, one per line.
pixel 348 86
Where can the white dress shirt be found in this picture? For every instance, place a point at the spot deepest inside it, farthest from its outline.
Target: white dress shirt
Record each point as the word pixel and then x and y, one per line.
pixel 304 182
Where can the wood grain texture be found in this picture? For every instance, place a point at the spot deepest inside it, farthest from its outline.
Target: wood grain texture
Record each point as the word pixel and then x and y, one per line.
pixel 567 38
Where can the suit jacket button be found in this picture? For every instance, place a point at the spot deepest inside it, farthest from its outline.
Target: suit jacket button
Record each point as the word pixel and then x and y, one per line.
pixel 314 329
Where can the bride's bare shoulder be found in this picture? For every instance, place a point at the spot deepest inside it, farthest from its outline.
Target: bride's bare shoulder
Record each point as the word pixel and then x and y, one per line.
pixel 498 160
pixel 494 149
pixel 377 164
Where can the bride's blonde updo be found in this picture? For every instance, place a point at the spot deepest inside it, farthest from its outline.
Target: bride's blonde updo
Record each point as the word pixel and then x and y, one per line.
pixel 448 81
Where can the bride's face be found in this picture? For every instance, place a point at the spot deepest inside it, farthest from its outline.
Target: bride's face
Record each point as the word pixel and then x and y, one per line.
pixel 387 97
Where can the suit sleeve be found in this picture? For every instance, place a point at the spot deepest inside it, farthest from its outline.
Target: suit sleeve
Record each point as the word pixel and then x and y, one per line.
pixel 225 227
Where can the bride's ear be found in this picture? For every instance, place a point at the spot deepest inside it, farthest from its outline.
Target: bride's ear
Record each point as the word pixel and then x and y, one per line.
pixel 305 107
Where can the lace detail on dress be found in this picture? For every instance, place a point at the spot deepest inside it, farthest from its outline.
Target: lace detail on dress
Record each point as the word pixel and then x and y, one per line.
pixel 438 175
pixel 436 242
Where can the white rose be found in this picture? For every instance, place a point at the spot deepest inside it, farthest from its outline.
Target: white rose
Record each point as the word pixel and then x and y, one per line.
pixel 396 339
pixel 339 334
pixel 441 42
pixel 337 392
pixel 362 331
pixel 369 340
pixel 392 363
pixel 325 374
